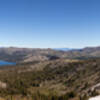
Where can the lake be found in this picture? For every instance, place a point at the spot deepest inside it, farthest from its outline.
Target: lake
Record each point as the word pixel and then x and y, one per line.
pixel 3 63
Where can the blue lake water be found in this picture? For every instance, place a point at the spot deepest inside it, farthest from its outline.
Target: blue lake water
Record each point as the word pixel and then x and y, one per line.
pixel 3 63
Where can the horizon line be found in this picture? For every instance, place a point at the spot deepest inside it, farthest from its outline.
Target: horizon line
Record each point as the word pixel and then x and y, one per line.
pixel 48 47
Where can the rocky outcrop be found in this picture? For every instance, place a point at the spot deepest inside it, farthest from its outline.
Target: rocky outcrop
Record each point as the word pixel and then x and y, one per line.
pixel 3 85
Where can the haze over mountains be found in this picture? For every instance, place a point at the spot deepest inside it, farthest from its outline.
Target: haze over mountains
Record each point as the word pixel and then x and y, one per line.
pixel 62 49
pixel 21 55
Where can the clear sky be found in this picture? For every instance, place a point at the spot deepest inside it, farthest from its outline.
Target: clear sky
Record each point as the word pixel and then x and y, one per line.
pixel 50 23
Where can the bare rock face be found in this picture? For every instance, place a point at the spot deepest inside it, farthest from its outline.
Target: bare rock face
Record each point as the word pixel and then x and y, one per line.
pixel 95 98
pixel 3 85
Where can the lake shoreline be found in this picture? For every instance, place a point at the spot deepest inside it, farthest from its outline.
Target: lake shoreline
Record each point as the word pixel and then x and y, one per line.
pixel 6 63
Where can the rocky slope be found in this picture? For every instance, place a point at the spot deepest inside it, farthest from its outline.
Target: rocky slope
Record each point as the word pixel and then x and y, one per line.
pixel 54 77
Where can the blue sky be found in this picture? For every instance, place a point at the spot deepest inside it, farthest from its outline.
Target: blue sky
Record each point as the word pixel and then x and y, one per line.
pixel 50 23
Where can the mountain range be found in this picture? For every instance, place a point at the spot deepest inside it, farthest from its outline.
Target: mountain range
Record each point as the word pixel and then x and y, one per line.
pixel 21 55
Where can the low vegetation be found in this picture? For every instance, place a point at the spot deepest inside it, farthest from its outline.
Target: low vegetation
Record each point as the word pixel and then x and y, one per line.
pixel 51 80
